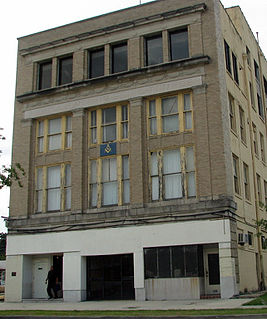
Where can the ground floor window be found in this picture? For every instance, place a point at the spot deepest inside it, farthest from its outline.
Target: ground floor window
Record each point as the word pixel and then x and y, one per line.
pixel 174 262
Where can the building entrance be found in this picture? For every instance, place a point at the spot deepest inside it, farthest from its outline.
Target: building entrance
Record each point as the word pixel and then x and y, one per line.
pixel 110 277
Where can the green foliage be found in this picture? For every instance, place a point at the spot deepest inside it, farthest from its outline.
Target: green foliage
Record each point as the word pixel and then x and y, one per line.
pixel 10 174
pixel 3 246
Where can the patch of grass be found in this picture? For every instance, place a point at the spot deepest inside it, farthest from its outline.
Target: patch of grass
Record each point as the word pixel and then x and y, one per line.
pixel 132 313
pixel 260 301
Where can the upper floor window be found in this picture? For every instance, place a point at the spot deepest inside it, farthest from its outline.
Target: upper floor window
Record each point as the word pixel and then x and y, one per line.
pixel 251 91
pixel 170 114
pixel 96 63
pixel 172 174
pixel 257 71
pixel 54 134
pixel 235 68
pixel 119 58
pixel 242 124
pixel 248 56
pixel 153 50
pixel 53 188
pixel 227 57
pixel 178 44
pixel 265 193
pixel 112 185
pixel 262 145
pixel 246 181
pixel 255 139
pixel 44 75
pixel 236 174
pixel 259 191
pixel 232 112
pixel 65 70
pixel 108 124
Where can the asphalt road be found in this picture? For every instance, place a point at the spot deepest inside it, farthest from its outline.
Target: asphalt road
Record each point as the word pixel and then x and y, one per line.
pixel 167 317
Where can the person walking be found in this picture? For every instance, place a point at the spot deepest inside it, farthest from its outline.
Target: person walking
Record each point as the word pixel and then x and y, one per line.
pixel 51 281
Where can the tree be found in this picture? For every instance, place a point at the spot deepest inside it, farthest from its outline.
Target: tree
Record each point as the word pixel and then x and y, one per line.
pixel 11 173
pixel 3 246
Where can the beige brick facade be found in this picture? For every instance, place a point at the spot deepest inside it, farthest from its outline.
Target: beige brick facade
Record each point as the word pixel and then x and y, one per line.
pixel 202 75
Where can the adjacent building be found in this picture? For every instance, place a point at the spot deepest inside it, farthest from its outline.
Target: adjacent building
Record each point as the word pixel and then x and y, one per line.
pixel 143 135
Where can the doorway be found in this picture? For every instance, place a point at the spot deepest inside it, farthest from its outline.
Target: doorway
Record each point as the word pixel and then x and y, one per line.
pixel 212 271
pixel 110 277
pixel 40 268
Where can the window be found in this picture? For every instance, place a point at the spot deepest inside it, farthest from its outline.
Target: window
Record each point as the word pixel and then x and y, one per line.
pixel 265 193
pixel 236 174
pixel 53 188
pixel 65 70
pixel 109 181
pixel 44 75
pixel 96 63
pixel 262 144
pixel 246 181
pixel 153 50
pixel 172 174
pixel 257 71
pixel 170 114
pixel 248 56
pixel 260 105
pixel 259 191
pixel 251 94
pixel 250 239
pixel 179 44
pixel 227 57
pixel 235 68
pixel 242 124
pixel 174 262
pixel 119 58
pixel 232 112
pixel 109 124
pixel 54 134
pixel 255 139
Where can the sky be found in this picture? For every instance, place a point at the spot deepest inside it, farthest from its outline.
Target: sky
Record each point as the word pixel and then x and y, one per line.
pixel 20 18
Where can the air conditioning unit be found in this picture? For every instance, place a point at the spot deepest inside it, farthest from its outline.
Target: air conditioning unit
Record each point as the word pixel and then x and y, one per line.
pixel 241 239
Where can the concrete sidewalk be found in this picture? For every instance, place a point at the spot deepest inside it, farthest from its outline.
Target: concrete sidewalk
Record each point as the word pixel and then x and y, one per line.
pixel 127 305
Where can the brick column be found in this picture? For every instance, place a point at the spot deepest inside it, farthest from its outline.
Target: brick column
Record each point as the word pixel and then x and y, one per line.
pixel 137 156
pixel 79 176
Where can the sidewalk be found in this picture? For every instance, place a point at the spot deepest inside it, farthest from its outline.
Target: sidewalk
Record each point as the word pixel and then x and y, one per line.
pixel 127 305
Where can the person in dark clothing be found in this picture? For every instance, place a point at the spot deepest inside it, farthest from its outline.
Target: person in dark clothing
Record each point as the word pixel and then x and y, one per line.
pixel 51 281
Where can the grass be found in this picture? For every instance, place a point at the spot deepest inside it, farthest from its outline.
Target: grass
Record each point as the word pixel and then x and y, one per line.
pixel 260 301
pixel 133 313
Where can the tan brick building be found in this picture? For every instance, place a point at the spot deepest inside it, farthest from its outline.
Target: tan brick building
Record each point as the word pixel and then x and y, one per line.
pixel 143 135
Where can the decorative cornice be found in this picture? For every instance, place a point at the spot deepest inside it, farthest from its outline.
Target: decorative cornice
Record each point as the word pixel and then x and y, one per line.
pixel 125 25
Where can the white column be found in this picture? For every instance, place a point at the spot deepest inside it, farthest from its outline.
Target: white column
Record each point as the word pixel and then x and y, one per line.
pixel 229 286
pixel 72 275
pixel 13 287
pixel 139 276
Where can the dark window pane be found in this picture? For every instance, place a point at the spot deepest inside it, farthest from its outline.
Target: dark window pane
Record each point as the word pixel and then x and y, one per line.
pixel 200 261
pixel 119 58
pixel 150 262
pixel 257 71
pixel 178 262
pixel 154 52
pixel 227 57
pixel 65 71
pixel 164 262
pixel 214 269
pixel 235 68
pixel 179 44
pixel 45 75
pixel 96 63
pixel 191 261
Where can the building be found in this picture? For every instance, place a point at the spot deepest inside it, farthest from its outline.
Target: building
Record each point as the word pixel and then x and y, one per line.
pixel 143 135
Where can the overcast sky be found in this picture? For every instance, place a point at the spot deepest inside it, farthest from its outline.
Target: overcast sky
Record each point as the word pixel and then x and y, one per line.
pixel 19 18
